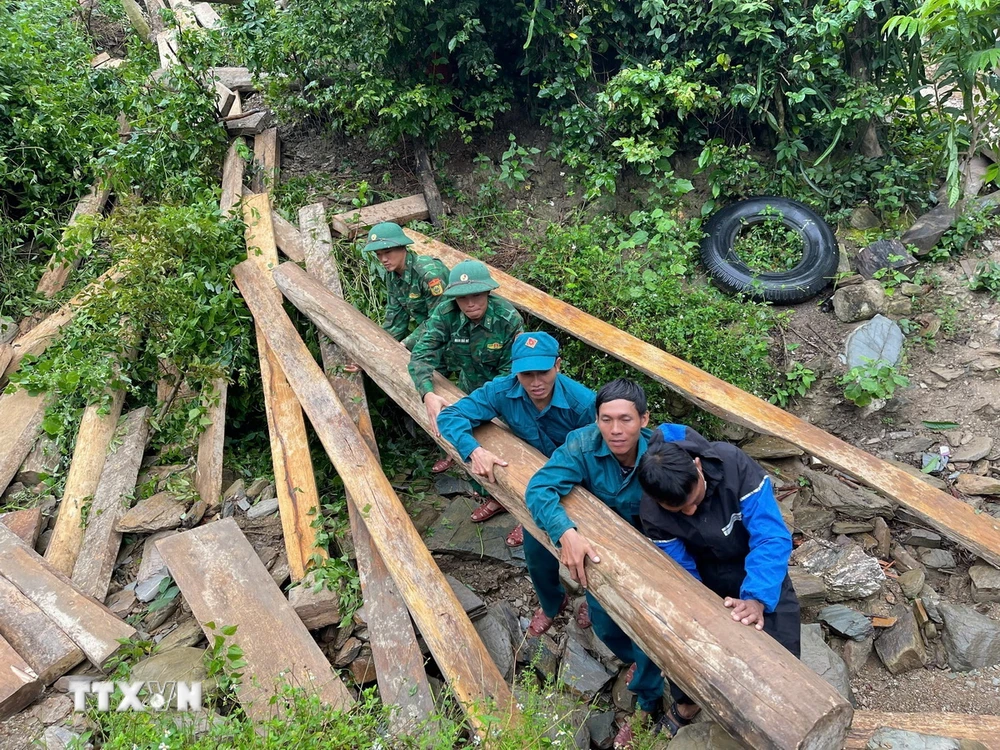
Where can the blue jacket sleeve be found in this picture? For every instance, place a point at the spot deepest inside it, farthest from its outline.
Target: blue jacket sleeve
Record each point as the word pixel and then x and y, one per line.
pixel 550 484
pixel 456 422
pixel 676 549
pixel 770 546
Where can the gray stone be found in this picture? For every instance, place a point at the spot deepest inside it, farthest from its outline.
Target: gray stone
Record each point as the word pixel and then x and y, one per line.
pixel 41 463
pixel 900 647
pixel 769 446
pixel 837 496
pixel 564 717
pixel 847 571
pixel 623 698
pixel 8 329
pixel 591 642
pixel 899 306
pixel 236 491
pixel 812 518
pixel 977 448
pixel 182 664
pixel 973 484
pixel 863 218
pixel 455 533
pixel 856 654
pixel 985 583
pixel 704 735
pixel 146 591
pixel 496 638
pixel 881 533
pixel 898 739
pixel 878 339
pixel 859 302
pixel 188 633
pixel 543 654
pixel 62 738
pixel 580 672
pixel 348 653
pixel 912 583
pixel 602 729
pixel 447 485
pixel 912 290
pixel 824 661
pixel 852 527
pixel 947 374
pixel 922 538
pixel 974 175
pixel 506 615
pixel 915 472
pixel 925 232
pixel 474 606
pixel 904 560
pixel 937 559
pixel 120 602
pixel 848 622
pixel 54 707
pixel 264 507
pixel 157 513
pixel 971 640
pixel 256 488
pixel 876 256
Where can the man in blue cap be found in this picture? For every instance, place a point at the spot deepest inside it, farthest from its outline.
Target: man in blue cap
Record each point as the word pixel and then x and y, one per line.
pixel 541 406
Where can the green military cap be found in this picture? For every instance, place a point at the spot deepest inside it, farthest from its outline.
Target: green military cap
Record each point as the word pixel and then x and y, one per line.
pixel 386 236
pixel 469 277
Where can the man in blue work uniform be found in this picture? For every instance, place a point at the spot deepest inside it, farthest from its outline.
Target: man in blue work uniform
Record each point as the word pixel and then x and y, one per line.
pixel 541 406
pixel 602 459
pixel 712 509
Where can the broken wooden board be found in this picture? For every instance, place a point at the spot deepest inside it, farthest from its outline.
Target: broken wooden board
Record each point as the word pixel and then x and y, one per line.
pixel 352 223
pixel 90 625
pixel 224 581
pixel 295 483
pixel 57 273
pixel 99 59
pixel 25 523
pixel 207 16
pixel 251 123
pixel 211 442
pixel 949 516
pixel 237 79
pixel 683 626
pixel 96 560
pixel 266 161
pixel 48 650
pixel 286 235
pixel 92 442
pixel 185 14
pixel 21 416
pixel 224 98
pixel 980 728
pixel 232 178
pixel 399 665
pixel 19 685
pixel 166 47
pixel 453 640
pixel 6 355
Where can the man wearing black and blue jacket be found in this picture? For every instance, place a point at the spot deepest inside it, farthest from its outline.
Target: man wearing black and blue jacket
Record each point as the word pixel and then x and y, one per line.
pixel 712 509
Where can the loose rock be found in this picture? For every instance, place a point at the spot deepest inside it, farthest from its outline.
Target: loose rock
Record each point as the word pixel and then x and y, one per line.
pixel 183 664
pixel 496 639
pixel 543 654
pixel 846 621
pixel 971 640
pixel 624 699
pixel 856 654
pixel 860 302
pixel 912 582
pixel 157 513
pixel 582 673
pixel 705 735
pixel 922 538
pixel 833 494
pixel 876 256
pixel 769 446
pixel 897 739
pixel 824 661
pixel 975 449
pixel 602 729
pixel 925 232
pixel 263 508
pixel 847 571
pixel 900 647
pixel 973 484
pixel 985 583
pixel 880 530
pixel 937 559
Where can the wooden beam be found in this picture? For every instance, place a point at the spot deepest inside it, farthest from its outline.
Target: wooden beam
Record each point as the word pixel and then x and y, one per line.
pixel 981 728
pixel 237 79
pixel 232 178
pixel 58 271
pixel 352 223
pixel 399 665
pixel 92 442
pixel 211 442
pixel 286 235
pixel 185 14
pixel 6 355
pixel 457 648
pixel 90 625
pixel 295 483
pixel 19 685
pixel 99 549
pixel 743 678
pixel 956 520
pixel 37 340
pixel 156 24
pixel 224 581
pixel 166 47
pixel 138 20
pixel 21 416
pixel 224 98
pixel 425 171
pixel 48 650
pixel 266 161
pixel 207 16
pixel 25 523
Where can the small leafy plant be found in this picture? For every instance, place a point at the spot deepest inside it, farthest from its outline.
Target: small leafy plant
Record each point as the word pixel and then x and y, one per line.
pixel 986 278
pixel 874 379
pixel 769 246
pixel 798 380
pixel 224 662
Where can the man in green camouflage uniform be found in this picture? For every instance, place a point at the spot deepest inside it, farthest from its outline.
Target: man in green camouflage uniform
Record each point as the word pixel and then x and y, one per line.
pixel 414 283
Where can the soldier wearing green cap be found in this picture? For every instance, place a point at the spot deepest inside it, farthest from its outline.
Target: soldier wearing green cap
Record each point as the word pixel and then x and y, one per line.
pixel 415 284
pixel 469 333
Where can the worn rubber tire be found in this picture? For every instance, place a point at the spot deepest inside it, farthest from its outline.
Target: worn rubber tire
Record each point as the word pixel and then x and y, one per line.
pixel 814 272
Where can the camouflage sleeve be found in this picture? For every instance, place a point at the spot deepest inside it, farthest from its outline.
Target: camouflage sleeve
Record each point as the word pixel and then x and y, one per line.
pixel 410 341
pixel 515 328
pixel 427 351
pixel 397 319
pixel 435 278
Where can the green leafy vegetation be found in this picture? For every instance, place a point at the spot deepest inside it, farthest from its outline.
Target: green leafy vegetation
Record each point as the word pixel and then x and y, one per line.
pixel 875 379
pixel 798 381
pixel 768 246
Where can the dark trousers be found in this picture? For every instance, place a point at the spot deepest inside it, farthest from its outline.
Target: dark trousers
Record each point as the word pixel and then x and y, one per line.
pixel 543 568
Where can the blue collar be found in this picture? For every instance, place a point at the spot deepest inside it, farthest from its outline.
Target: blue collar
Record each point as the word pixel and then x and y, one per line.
pixel 559 400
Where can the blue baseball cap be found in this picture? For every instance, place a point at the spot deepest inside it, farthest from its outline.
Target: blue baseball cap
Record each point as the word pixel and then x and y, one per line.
pixel 534 351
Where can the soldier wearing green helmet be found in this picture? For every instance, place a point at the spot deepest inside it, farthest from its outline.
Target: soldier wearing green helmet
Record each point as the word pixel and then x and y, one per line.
pixel 415 284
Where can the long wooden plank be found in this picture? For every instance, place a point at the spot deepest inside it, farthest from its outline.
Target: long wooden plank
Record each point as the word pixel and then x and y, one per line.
pixel 6 355
pixel 90 625
pixel 953 518
pixel 295 483
pixel 92 441
pixel 19 685
pixel 207 16
pixel 457 648
pixel 742 678
pixel 37 340
pixel 21 416
pixel 225 582
pixel 399 665
pixel 166 47
pixel 48 650
pixel 286 235
pixel 266 161
pixel 101 540
pixel 981 728
pixel 232 178
pixel 402 210
pixel 237 79
pixel 25 523
pixel 208 474
pixel 57 273
pixel 185 14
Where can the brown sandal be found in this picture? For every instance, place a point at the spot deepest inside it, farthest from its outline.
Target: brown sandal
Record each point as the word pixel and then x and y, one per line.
pixel 443 465
pixel 583 616
pixel 489 508
pixel 516 537
pixel 541 622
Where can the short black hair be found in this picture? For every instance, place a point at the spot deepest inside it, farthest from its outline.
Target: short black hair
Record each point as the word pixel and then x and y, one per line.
pixel 625 390
pixel 667 472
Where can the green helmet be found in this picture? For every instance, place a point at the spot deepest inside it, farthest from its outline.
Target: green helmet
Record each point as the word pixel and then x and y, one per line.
pixel 386 236
pixel 469 277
